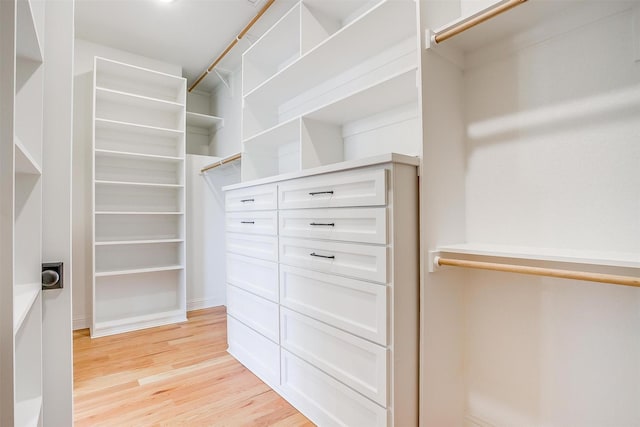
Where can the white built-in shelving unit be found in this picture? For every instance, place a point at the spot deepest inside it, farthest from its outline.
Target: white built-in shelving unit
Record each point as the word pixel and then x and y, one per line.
pixel 326 84
pixel 22 87
pixel 138 198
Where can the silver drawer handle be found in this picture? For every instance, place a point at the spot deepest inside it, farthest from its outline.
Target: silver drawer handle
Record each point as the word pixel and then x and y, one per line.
pixel 322 256
pixel 315 193
pixel 247 200
pixel 325 224
pixel 247 222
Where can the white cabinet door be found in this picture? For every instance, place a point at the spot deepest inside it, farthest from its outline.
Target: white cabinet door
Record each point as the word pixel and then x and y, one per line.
pixel 363 225
pixel 352 260
pixel 262 197
pixel 364 188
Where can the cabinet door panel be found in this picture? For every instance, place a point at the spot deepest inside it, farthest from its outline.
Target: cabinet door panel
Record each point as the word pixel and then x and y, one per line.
pixel 253 275
pixel 354 361
pixel 367 188
pixel 254 311
pixel 352 305
pixel 358 261
pixel 260 355
pixel 324 400
pixel 365 225
pixel 262 197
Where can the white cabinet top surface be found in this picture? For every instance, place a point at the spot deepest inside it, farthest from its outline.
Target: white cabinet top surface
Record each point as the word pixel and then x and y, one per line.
pixel 335 167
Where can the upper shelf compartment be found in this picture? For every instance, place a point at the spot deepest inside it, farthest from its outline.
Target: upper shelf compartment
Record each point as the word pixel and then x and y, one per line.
pixel 276 49
pixel 127 78
pixel 349 46
pixel 320 19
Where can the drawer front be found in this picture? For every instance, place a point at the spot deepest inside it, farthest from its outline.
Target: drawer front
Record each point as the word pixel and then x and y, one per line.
pixel 255 246
pixel 366 225
pixel 354 306
pixel 260 222
pixel 325 401
pixel 353 260
pixel 261 197
pixel 354 361
pixel 258 354
pixel 254 275
pixel 254 311
pixel 353 188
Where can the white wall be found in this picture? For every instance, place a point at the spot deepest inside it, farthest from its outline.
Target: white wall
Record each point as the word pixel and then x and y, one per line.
pixel 549 156
pixel 206 259
pixel 81 188
pixel 227 103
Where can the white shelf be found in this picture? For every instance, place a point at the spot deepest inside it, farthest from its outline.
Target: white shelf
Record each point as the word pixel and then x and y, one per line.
pixel 276 49
pixel 23 299
pixel 141 81
pixel 136 128
pixel 138 242
pixel 136 213
pixel 138 184
pixel 569 256
pixel 119 97
pixel 204 121
pixel 28 42
pixel 27 412
pixel 395 91
pixel 24 161
pixel 351 45
pixel 279 134
pixel 138 271
pixel 128 155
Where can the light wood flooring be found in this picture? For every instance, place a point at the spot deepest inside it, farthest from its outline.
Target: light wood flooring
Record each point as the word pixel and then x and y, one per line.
pixel 177 375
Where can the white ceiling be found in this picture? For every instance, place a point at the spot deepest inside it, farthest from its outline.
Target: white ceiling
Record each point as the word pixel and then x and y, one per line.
pixel 191 33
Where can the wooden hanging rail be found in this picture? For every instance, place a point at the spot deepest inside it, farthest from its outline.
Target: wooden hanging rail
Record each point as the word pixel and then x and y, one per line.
pixel 221 162
pixel 475 20
pixel 539 271
pixel 232 44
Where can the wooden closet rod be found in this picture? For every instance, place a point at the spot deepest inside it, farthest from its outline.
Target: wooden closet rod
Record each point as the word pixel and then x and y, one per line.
pixel 232 44
pixel 221 162
pixel 478 19
pixel 538 271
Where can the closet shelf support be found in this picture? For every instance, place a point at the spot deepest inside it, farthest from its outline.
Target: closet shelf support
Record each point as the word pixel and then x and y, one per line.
pixel 472 21
pixel 539 271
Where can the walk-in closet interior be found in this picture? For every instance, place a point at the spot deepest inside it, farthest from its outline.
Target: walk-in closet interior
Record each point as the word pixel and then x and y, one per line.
pixel 416 212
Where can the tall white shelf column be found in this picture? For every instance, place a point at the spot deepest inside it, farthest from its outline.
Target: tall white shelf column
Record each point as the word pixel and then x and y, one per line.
pixel 138 198
pixel 22 23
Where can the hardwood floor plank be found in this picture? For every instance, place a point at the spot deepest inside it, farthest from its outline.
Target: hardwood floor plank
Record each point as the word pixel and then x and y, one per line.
pixel 175 375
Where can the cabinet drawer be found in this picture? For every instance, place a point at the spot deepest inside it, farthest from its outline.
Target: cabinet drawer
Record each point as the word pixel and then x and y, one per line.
pixel 358 261
pixel 354 361
pixel 366 188
pixel 354 306
pixel 261 222
pixel 258 354
pixel 263 247
pixel 254 311
pixel 261 197
pixel 325 401
pixel 254 275
pixel 366 225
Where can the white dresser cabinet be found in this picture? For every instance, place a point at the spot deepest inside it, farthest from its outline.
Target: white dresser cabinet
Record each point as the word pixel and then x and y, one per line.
pixel 320 304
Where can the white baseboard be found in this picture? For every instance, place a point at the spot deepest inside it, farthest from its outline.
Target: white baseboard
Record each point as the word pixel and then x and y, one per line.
pixel 81 322
pixel 197 304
